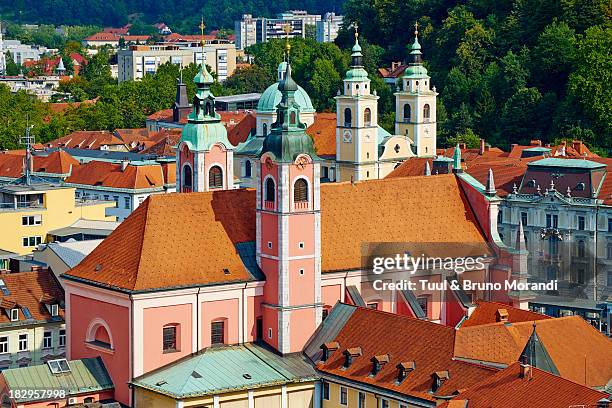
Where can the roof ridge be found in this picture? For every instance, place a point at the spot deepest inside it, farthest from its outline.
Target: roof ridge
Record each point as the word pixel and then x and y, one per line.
pixel 145 207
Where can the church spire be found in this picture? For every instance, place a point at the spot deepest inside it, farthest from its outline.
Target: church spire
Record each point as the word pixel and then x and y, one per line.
pixel 356 56
pixel 416 56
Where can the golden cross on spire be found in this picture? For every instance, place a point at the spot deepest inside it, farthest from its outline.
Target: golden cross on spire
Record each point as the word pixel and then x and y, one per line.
pixel 416 28
pixel 356 27
pixel 287 29
pixel 202 27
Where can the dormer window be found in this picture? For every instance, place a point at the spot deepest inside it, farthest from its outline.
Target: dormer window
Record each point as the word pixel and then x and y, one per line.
pixel 350 354
pixel 378 363
pixel 439 377
pixel 14 314
pixel 54 310
pixel 328 349
pixel 403 369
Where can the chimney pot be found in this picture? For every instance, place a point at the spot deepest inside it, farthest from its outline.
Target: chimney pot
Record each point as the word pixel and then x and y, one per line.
pixel 482 147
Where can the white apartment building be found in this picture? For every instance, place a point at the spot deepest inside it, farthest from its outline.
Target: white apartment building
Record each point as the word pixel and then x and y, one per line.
pixel 139 60
pixel 328 27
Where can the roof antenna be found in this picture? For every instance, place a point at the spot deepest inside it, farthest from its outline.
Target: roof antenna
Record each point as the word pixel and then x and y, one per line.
pixel 28 141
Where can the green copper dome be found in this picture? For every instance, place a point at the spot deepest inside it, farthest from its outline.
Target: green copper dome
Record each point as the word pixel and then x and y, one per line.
pixel 415 71
pixel 202 136
pixel 272 96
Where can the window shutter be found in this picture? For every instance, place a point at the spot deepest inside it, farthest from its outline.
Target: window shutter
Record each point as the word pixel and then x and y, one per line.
pixel 300 191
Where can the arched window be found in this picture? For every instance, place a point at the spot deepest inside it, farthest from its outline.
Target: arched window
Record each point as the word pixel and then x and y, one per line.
pixel 247 168
pixel 187 179
pixel 300 191
pixel 215 177
pixel 407 113
pixel 265 129
pixel 292 118
pixel 348 117
pixel 208 109
pixel 270 194
pixel 367 117
pixel 426 112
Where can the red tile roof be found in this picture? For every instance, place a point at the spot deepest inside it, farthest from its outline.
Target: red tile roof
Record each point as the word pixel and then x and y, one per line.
pixel 240 131
pixel 162 115
pixel 31 290
pixel 438 208
pixel 508 389
pixel 571 343
pixel 575 149
pixel 162 143
pixel 58 162
pixel 132 136
pixel 486 312
pixel 107 174
pixel 86 139
pixel 429 345
pixel 60 107
pixel 323 132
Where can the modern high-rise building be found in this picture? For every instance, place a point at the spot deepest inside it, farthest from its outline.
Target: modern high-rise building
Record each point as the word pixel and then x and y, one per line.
pixel 328 27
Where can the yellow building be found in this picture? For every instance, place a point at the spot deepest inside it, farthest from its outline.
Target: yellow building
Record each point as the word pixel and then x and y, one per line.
pixel 29 212
pixel 241 376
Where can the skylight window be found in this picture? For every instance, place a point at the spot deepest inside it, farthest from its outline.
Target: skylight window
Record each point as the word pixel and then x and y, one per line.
pixel 26 313
pixel 58 366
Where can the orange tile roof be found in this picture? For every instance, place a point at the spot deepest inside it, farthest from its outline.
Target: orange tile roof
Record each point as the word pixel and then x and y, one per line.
pixel 439 213
pixel 162 143
pixel 107 174
pixel 323 132
pixel 414 166
pixel 575 149
pixel 429 345
pixel 508 389
pixel 485 313
pixel 162 115
pixel 156 245
pixel 58 162
pixel 571 342
pixel 241 131
pixel 86 139
pixel 31 289
pixel 129 136
pixel 61 107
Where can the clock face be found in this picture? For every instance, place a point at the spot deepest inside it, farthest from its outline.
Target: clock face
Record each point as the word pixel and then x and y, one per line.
pixel 347 136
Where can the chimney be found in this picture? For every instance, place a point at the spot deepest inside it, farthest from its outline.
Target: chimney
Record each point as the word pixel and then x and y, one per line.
pixel 513 145
pixel 328 349
pixel 378 363
pixel 501 315
pixel 536 142
pixel 438 379
pixel 403 369
pixel 526 371
pixel 124 164
pixel 482 147
pixel 577 145
pixel 462 146
pixel 350 354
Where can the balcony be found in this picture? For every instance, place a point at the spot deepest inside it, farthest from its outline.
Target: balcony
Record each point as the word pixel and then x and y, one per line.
pixel 17 206
pixel 300 205
pixel 269 205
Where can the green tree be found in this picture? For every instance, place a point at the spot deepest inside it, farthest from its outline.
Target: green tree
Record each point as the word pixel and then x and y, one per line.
pixel 324 83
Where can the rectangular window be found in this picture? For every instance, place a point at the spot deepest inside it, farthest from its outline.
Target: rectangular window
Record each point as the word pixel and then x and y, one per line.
pixel 126 202
pixel 4 344
pixel 326 390
pixel 373 305
pixel 384 403
pixel 500 216
pixel 47 340
pixel 581 223
pixel 14 315
pixel 54 310
pixel 217 333
pixel 524 218
pixel 116 200
pixel 23 342
pixel 609 224
pixel 31 220
pixel 62 338
pixel 609 251
pixel 343 396
pixel 610 278
pixel 422 301
pixel 169 339
pixel 361 400
pixel 31 241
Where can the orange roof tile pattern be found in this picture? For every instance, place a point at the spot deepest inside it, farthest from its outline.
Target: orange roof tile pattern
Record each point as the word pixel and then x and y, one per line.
pixel 486 312
pixel 162 143
pixel 31 290
pixel 129 136
pixel 428 345
pixel 508 389
pixel 107 174
pixel 58 162
pixel 439 213
pixel 574 150
pixel 323 132
pixel 162 243
pixel 86 139
pixel 240 131
pixel 571 342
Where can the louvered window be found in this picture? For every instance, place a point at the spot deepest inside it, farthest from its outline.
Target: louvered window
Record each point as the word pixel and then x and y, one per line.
pixel 300 191
pixel 215 177
pixel 270 190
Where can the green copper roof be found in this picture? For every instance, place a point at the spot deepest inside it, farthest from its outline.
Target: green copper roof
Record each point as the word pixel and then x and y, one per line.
pixel 218 370
pixel 271 97
pixel 568 163
pixel 415 71
pixel 86 375
pixel 537 149
pixel 204 127
pixel 457 158
pixel 356 74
